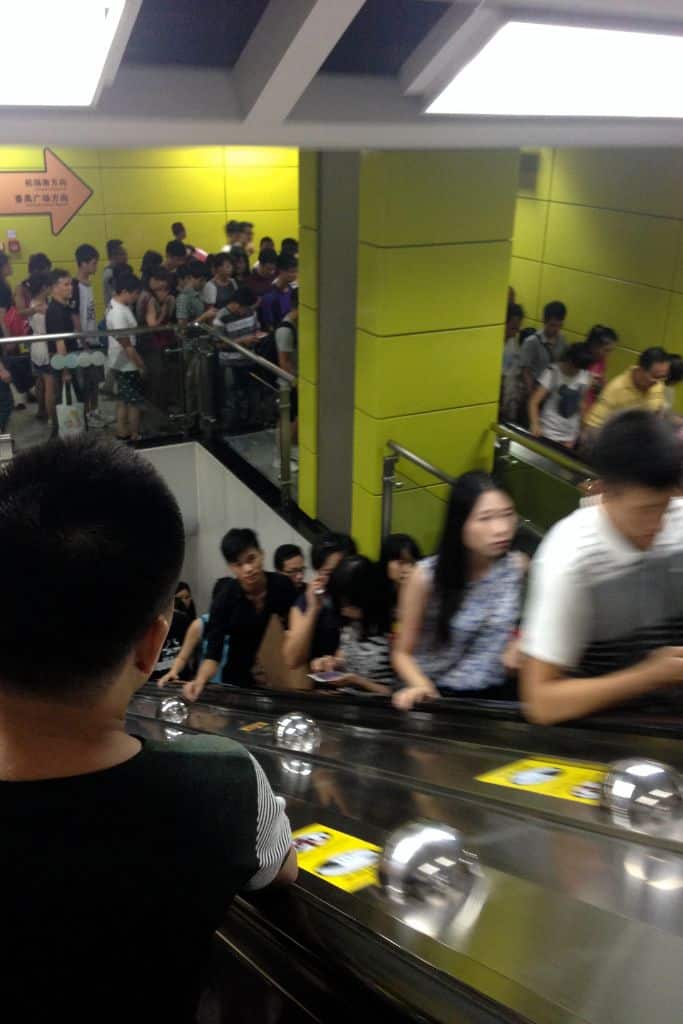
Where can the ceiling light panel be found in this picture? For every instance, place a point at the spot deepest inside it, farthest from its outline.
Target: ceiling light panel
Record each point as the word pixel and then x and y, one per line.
pixel 65 54
pixel 534 70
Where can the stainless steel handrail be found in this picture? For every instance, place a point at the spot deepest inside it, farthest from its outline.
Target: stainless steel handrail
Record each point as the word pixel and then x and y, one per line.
pixel 526 440
pixel 28 339
pixel 389 478
pixel 287 382
pixel 405 453
pixel 243 350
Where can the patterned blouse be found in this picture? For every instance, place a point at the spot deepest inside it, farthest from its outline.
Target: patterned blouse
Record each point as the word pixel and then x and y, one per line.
pixel 480 630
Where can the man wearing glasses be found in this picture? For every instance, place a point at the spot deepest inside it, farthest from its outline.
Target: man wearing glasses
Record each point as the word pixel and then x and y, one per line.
pixel 289 560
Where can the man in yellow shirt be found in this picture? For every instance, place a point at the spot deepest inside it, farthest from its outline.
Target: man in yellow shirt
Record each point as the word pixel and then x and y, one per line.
pixel 639 387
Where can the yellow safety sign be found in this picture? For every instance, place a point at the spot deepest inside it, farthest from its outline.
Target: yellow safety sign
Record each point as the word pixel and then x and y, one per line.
pixel 564 780
pixel 337 858
pixel 253 726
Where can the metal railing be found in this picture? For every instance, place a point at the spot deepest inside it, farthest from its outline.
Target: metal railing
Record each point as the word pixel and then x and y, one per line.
pixel 390 483
pixel 192 338
pixel 508 433
pixel 287 382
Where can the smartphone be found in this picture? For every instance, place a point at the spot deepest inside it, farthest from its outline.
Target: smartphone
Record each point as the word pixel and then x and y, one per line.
pixel 327 677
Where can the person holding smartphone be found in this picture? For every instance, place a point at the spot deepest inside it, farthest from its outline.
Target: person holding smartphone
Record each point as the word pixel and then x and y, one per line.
pixel 314 624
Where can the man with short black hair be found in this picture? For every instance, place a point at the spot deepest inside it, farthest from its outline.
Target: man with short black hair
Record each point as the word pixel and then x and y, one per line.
pixel 218 290
pixel 276 303
pixel 640 387
pixel 289 247
pixel 263 273
pixel 314 626
pixel 59 319
pixel 233 233
pixel 117 256
pixel 176 256
pixel 604 620
pixel 241 608
pixel 124 359
pixel 94 543
pixel 85 319
pixel 189 305
pixel 544 347
pixel 289 560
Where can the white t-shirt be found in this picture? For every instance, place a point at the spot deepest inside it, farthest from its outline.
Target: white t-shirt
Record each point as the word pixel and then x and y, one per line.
pixel 39 351
pixel 597 604
pixel 120 316
pixel 561 412
pixel 85 307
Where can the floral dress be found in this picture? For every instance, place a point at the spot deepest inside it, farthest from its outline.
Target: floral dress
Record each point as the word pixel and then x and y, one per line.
pixel 480 630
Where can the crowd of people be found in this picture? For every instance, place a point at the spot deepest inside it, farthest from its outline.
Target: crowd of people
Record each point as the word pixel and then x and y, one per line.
pixel 244 294
pixel 603 605
pixel 561 393
pixel 93 542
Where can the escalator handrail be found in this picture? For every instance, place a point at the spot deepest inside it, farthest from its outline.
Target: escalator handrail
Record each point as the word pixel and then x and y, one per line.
pixel 526 440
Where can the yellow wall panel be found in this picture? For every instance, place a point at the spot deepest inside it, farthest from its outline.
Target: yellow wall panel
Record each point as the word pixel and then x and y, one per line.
pixel 278 224
pixel 261 188
pixel 452 368
pixel 629 246
pixel 525 278
pixel 366 521
pixel 35 235
pixel 638 180
pixel 308 343
pixel 182 156
pixel 142 231
pixel 393 284
pixel 308 188
pixel 531 216
pixel 30 158
pixel 614 245
pixel 678 274
pixel 454 440
pixel 261 156
pixel 636 312
pixel 420 513
pixel 535 179
pixel 307 497
pixel 308 414
pixel 308 262
pixel 619 360
pixel 464 196
pixel 163 190
pixel 673 338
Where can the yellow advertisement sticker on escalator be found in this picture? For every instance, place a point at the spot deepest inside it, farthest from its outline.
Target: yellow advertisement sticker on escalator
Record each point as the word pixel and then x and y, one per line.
pixel 340 859
pixel 561 779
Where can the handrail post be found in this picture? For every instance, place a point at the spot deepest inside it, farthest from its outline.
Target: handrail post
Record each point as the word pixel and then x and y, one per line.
pixel 388 481
pixel 285 474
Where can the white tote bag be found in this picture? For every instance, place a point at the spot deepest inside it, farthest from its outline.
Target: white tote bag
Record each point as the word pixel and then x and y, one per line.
pixel 70 414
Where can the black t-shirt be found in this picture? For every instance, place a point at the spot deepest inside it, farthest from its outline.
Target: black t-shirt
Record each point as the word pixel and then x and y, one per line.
pixel 113 883
pixel 327 632
pixel 59 319
pixel 233 614
pixel 172 644
pixel 6 297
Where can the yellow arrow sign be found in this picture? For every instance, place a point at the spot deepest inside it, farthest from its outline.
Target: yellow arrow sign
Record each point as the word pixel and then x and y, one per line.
pixel 55 190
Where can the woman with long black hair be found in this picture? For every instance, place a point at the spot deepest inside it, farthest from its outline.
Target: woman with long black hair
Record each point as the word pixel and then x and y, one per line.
pixel 460 609
pixel 363 598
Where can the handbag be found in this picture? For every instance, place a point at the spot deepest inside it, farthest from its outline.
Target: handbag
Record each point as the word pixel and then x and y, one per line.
pixel 70 414
pixel 17 325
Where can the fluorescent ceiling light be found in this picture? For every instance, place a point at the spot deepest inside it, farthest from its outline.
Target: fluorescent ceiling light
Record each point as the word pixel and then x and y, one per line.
pixel 55 53
pixel 560 71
